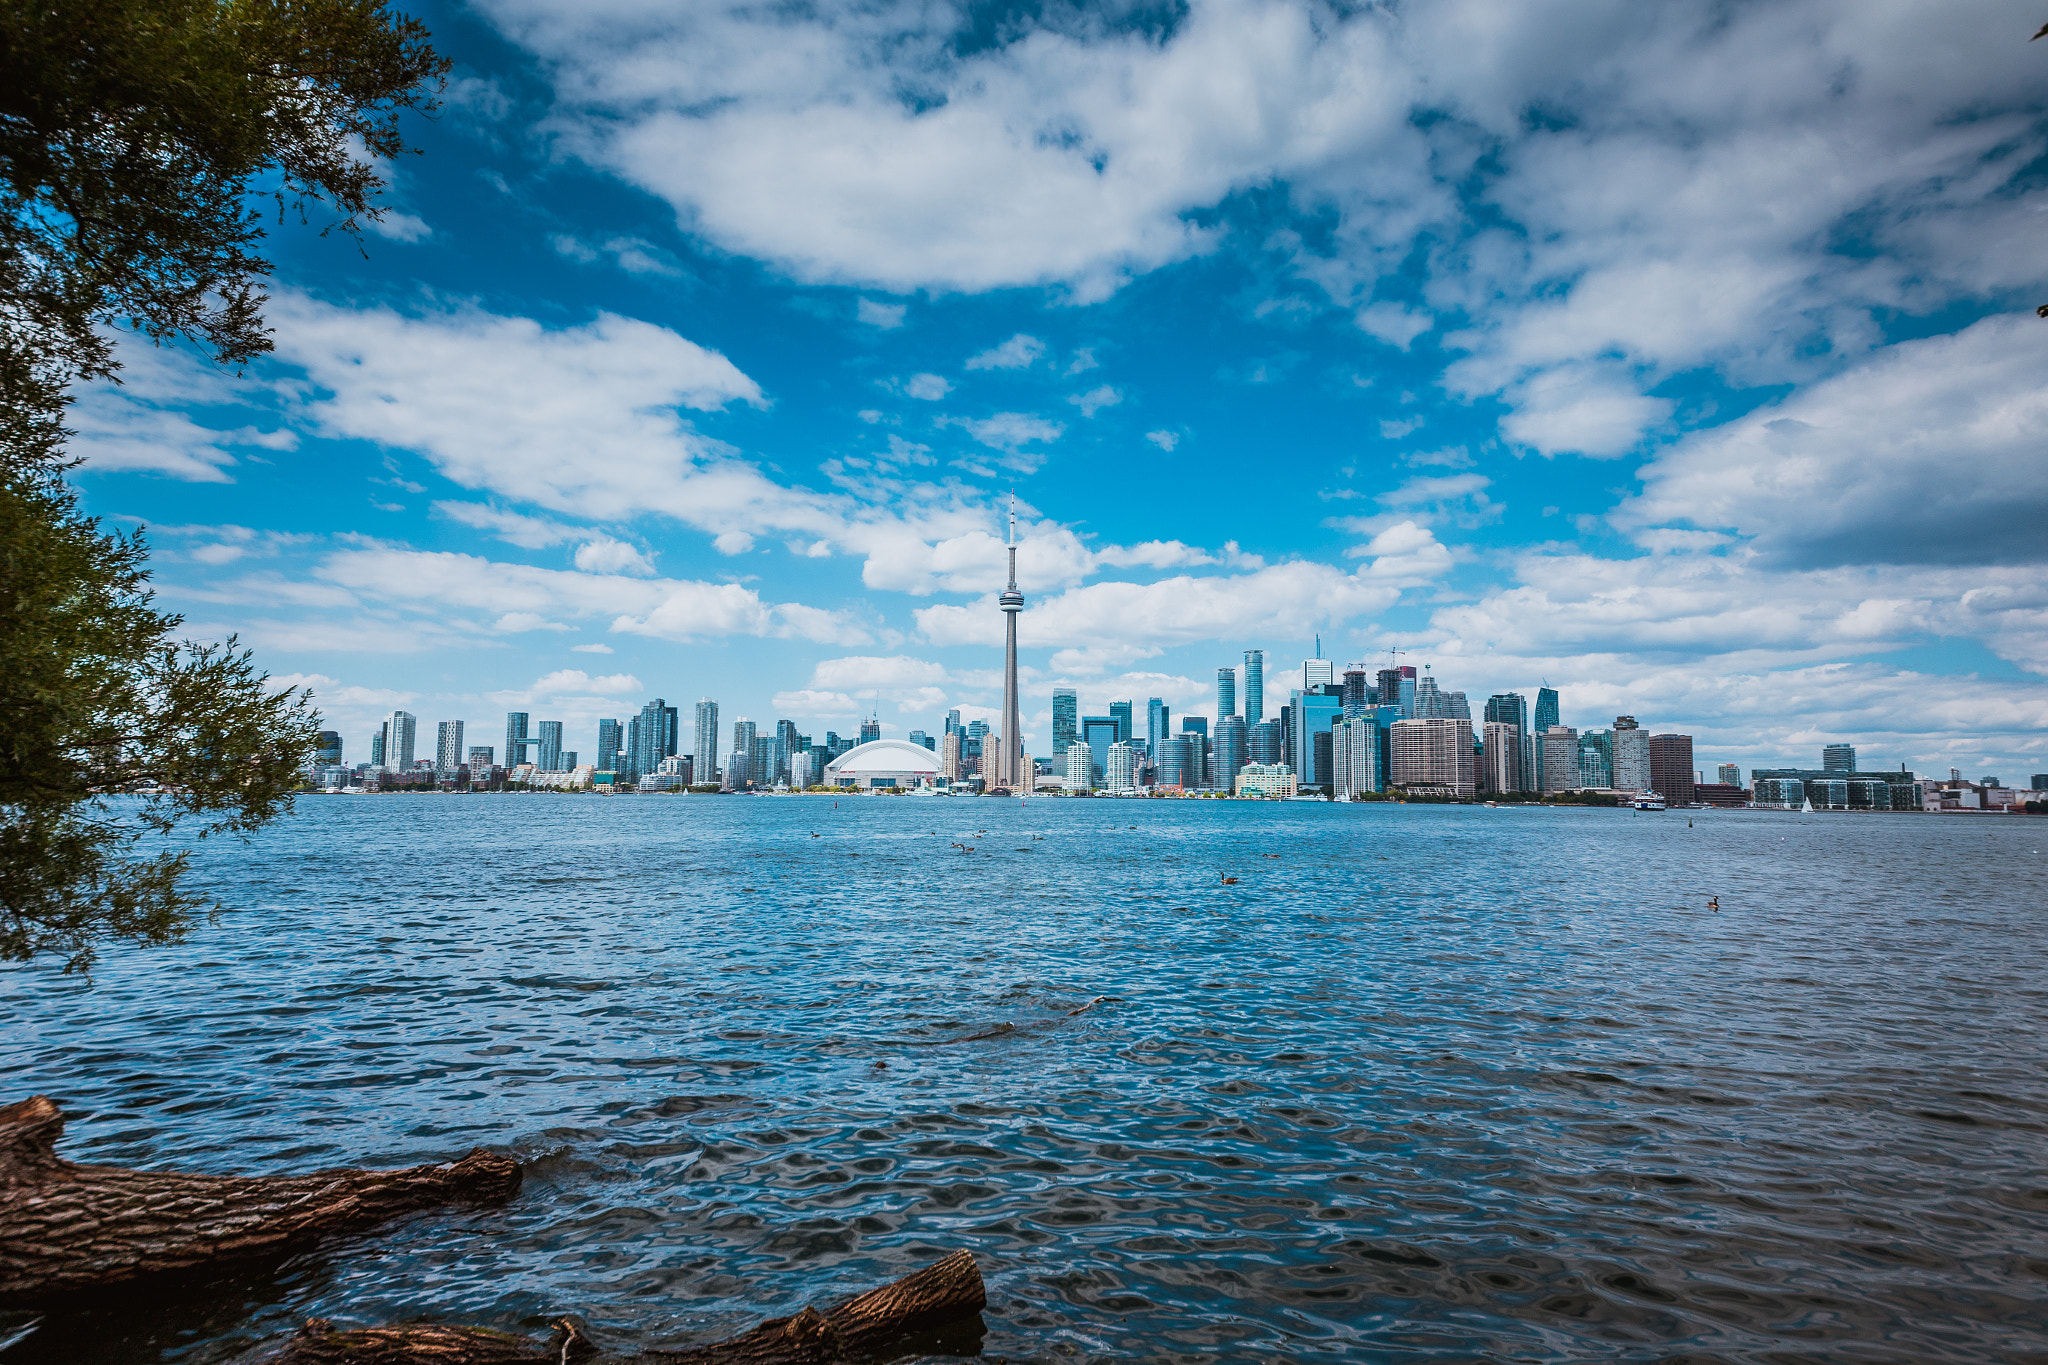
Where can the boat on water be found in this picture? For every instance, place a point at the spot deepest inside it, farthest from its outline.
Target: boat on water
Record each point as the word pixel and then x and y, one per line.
pixel 1650 801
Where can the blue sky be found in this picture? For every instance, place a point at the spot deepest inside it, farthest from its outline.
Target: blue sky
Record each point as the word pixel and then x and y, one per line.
pixel 1681 357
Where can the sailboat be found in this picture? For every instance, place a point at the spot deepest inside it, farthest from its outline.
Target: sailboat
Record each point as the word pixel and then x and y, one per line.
pixel 1806 806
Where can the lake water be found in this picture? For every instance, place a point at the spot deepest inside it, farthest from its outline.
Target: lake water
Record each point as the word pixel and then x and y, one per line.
pixel 1431 1083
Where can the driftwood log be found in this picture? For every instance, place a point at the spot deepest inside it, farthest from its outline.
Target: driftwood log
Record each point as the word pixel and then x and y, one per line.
pixel 66 1228
pixel 944 1294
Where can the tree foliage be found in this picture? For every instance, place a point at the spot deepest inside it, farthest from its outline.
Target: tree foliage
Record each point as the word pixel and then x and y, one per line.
pixel 137 138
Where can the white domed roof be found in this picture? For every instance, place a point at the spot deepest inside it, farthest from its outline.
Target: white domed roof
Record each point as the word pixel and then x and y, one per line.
pixel 885 756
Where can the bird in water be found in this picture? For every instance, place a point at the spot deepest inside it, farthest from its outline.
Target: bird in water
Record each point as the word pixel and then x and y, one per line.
pixel 963 848
pixel 1714 904
pixel 1229 881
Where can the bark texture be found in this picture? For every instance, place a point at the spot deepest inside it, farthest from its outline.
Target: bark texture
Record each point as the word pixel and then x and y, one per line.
pixel 66 1228
pixel 942 1294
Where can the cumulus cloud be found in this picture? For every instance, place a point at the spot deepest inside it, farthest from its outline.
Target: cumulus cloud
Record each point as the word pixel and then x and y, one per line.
pixel 1165 440
pixel 1930 453
pixel 882 316
pixel 929 387
pixel 1096 399
pixel 1017 353
pixel 1008 431
pixel 606 555
pixel 514 528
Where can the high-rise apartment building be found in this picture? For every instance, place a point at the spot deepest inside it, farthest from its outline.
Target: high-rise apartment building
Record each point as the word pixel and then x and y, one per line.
pixel 481 761
pixel 743 746
pixel 1122 713
pixel 1560 765
pixel 1158 723
pixel 1080 767
pixel 1170 761
pixel 1226 692
pixel 917 737
pixel 1511 708
pixel 401 734
pixel 1502 767
pixel 1835 758
pixel 611 738
pixel 1671 768
pixel 871 729
pixel 1433 752
pixel 1066 719
pixel 1630 756
pixel 1730 775
pixel 377 745
pixel 949 753
pixel 1263 743
pixel 327 753
pixel 1196 731
pixel 447 748
pixel 706 741
pixel 1354 757
pixel 516 740
pixel 548 754
pixel 1596 759
pixel 1099 732
pixel 1121 773
pixel 1309 715
pixel 1254 687
pixel 1230 751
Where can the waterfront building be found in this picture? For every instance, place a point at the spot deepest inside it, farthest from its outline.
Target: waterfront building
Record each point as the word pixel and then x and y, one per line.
pixel 1158 723
pixel 1122 713
pixel 738 769
pixel 447 747
pixel 1274 781
pixel 743 748
pixel 1080 767
pixel 1541 720
pixel 883 763
pixel 764 770
pixel 1434 752
pixel 1729 775
pixel 517 741
pixel 1354 757
pixel 1854 790
pixel 1511 708
pixel 1630 756
pixel 1066 719
pixel 400 739
pixel 2038 782
pixel 1263 742
pixel 377 745
pixel 1671 768
pixel 1501 757
pixel 548 752
pixel 1196 731
pixel 705 740
pixel 1254 687
pixel 1226 692
pixel 1170 762
pixel 1719 794
pixel 949 754
pixel 1560 767
pixel 804 769
pixel 1596 759
pixel 1121 772
pixel 1099 732
pixel 481 761
pixel 1309 715
pixel 1228 753
pixel 611 755
pixel 327 753
pixel 1838 758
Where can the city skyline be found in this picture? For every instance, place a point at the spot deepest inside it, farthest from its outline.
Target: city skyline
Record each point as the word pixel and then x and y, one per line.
pixel 1499 367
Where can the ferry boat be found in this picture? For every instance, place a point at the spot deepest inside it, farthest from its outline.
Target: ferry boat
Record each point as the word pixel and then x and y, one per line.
pixel 1650 801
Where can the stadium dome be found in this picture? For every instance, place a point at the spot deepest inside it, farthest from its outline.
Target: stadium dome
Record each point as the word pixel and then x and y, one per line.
pixel 884 763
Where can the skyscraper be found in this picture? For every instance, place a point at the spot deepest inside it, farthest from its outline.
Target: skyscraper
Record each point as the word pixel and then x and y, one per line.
pixel 1263 743
pixel 1121 772
pixel 328 752
pixel 706 741
pixel 1080 767
pixel 1121 713
pixel 447 748
pixel 1226 692
pixel 400 739
pixel 480 761
pixel 1511 708
pixel 1354 757
pixel 1357 690
pixel 1196 730
pixel 1560 755
pixel 1317 672
pixel 1503 766
pixel 1170 761
pixel 1671 768
pixel 1543 722
pixel 1158 724
pixel 610 739
pixel 548 757
pixel 1232 751
pixel 1835 758
pixel 1099 732
pixel 870 730
pixel 1434 752
pixel 1630 755
pixel 1010 742
pixel 1730 775
pixel 377 745
pixel 1066 719
pixel 1428 701
pixel 1254 687
pixel 516 741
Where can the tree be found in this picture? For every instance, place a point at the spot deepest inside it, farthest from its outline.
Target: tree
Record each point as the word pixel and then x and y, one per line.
pixel 134 137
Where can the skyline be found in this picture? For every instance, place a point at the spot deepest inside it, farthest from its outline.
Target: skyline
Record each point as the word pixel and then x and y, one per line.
pixel 1531 388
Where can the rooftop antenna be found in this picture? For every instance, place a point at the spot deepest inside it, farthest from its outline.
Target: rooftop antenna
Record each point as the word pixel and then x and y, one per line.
pixel 1319 644
pixel 1013 539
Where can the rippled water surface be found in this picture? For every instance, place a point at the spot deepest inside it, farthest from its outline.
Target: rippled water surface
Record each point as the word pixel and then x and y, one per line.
pixel 1427 1083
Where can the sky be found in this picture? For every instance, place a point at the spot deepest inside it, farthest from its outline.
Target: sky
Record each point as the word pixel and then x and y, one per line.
pixel 1681 357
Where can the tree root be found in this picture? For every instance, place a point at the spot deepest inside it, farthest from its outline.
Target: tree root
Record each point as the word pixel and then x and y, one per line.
pixel 66 1228
pixel 943 1294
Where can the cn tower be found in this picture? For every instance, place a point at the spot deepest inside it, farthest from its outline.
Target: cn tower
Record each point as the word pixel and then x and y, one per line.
pixel 1011 756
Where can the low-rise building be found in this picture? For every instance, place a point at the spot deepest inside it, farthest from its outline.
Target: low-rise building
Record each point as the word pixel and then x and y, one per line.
pixel 1274 781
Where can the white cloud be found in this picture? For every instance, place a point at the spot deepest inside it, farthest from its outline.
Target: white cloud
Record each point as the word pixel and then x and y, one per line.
pixel 1019 352
pixel 590 649
pixel 137 426
pixel 1096 399
pixel 885 316
pixel 929 387
pixel 1393 324
pixel 1008 430
pixel 606 555
pixel 1931 452
pixel 1165 440
pixel 514 528
pixel 564 681
pixel 399 227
